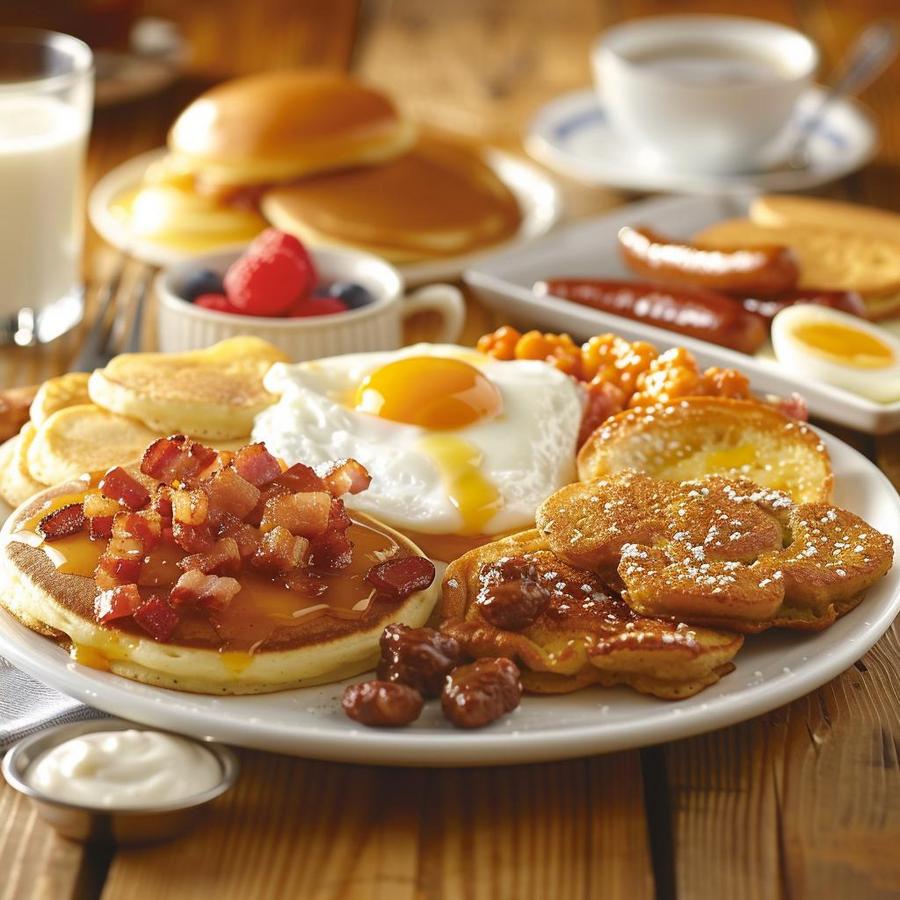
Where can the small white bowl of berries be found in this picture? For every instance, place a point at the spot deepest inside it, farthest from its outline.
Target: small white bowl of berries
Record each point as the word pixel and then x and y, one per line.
pixel 308 302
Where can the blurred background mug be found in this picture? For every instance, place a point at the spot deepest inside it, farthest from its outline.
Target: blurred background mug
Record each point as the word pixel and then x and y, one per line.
pixel 46 91
pixel 706 94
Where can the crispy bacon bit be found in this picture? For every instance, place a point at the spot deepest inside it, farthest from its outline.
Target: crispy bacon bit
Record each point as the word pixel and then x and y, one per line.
pixel 300 478
pixel 338 519
pixel 176 458
pixel 157 617
pixel 304 514
pixel 190 507
pixel 347 477
pixel 228 492
pixel 162 501
pixel 254 517
pixel 208 591
pixel 144 526
pixel 331 552
pixel 280 551
pixel 401 577
pixel 62 522
pixel 120 563
pixel 117 603
pixel 225 556
pixel 96 505
pixel 118 485
pixel 101 527
pixel 305 582
pixel 256 464
pixel 246 536
pixel 192 538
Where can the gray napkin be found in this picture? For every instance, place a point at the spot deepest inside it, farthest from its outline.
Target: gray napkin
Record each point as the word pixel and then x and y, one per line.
pixel 27 706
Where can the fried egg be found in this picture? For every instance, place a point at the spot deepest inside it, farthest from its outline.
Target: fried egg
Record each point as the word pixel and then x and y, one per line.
pixel 457 443
pixel 839 349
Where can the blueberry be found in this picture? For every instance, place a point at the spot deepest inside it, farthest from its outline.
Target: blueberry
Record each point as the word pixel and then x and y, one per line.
pixel 354 295
pixel 203 281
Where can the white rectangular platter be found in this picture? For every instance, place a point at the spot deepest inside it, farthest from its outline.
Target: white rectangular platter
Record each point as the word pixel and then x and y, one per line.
pixel 589 249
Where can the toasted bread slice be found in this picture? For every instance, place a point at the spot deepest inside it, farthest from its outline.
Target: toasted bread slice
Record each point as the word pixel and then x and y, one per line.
pixel 85 438
pixel 585 635
pixel 212 394
pixel 700 436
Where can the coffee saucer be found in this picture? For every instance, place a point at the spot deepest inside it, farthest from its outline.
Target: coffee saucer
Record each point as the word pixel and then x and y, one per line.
pixel 572 135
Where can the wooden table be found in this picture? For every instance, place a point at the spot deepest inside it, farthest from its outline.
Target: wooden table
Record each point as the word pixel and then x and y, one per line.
pixel 803 802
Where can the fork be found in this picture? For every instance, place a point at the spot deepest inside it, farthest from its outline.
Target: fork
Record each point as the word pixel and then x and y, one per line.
pixel 111 332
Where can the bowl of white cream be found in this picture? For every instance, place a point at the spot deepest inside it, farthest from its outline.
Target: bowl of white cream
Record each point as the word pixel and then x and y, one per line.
pixel 108 780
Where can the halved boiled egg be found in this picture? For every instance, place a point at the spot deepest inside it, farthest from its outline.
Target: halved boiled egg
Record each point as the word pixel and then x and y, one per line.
pixel 839 349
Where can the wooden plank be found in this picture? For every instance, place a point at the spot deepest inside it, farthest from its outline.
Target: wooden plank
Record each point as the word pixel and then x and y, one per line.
pixel 316 830
pixel 840 783
pixel 35 863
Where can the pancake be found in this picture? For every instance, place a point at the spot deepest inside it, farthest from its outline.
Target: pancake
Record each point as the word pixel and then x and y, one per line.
pixel 57 393
pixel 585 635
pixel 700 436
pixel 250 652
pixel 213 393
pixel 16 481
pixel 281 125
pixel 716 551
pixel 832 256
pixel 440 199
pixel 84 438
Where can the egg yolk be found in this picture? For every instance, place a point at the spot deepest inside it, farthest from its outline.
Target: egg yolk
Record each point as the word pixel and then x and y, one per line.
pixel 459 463
pixel 431 392
pixel 848 345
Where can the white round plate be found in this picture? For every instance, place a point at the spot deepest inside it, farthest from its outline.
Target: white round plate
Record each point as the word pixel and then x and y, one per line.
pixel 572 135
pixel 772 669
pixel 536 192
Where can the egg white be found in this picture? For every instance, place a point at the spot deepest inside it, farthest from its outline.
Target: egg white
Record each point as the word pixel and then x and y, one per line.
pixel 528 450
pixel 880 384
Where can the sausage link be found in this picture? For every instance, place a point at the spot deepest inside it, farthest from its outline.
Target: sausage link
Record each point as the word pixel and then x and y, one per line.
pixel 694 312
pixel 763 271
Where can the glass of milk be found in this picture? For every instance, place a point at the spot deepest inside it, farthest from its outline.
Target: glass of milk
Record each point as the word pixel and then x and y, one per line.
pixel 46 95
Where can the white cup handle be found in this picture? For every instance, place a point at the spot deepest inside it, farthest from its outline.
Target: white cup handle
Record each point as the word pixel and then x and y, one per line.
pixel 443 299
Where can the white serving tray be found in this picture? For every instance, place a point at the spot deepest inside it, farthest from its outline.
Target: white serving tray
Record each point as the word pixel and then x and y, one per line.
pixel 589 249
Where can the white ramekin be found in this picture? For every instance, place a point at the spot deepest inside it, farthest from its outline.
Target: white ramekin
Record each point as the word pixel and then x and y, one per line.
pixel 377 326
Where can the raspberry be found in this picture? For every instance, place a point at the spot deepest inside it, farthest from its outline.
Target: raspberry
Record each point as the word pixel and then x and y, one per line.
pixel 217 302
pixel 271 240
pixel 317 306
pixel 267 285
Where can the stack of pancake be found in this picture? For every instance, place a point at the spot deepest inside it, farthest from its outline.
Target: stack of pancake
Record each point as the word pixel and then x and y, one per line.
pixel 326 158
pixel 87 423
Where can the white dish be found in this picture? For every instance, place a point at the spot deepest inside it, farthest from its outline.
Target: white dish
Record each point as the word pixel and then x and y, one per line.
pixel 589 249
pixel 536 192
pixel 772 669
pixel 572 135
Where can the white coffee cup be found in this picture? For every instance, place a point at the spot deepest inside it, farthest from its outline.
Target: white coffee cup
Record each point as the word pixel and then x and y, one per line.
pixel 706 94
pixel 377 326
